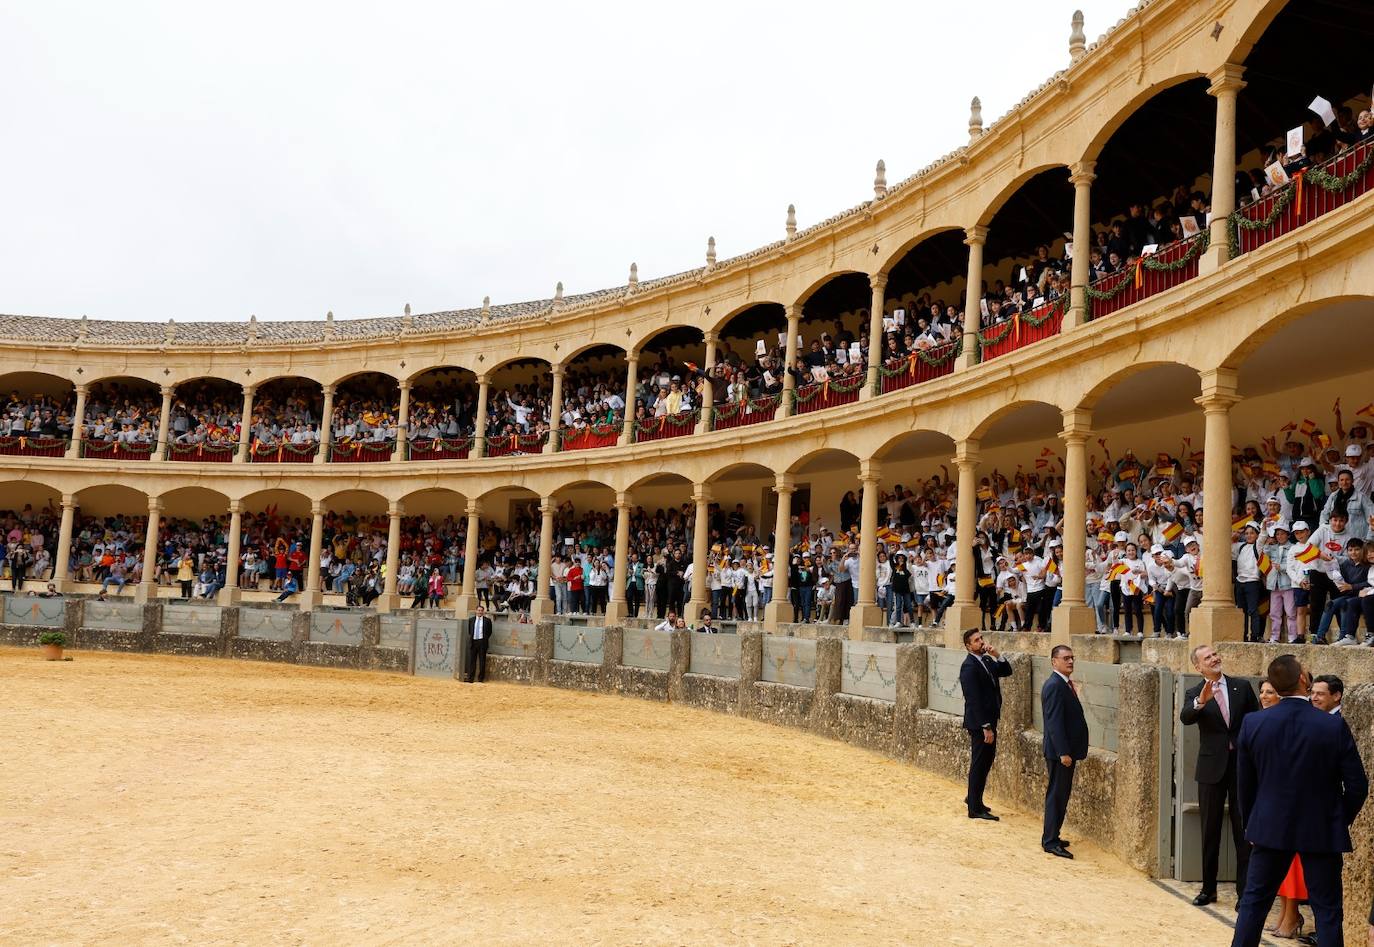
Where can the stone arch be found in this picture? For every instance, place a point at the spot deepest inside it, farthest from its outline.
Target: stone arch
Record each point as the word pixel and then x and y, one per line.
pixel 587 347
pixel 441 365
pixel 821 458
pixel 918 442
pixel 1251 32
pixel 1111 124
pixel 194 502
pixel 36 382
pixel 19 492
pixel 719 325
pixel 1031 407
pixel 1274 323
pixel 905 248
pixel 805 296
pixel 1009 190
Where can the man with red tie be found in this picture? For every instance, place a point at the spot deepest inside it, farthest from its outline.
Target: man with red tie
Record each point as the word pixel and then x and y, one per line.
pixel 1218 706
pixel 1066 742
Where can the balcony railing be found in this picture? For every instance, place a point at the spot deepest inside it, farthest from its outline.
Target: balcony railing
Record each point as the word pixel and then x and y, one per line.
pixel 918 366
pixel 440 448
pixel 828 394
pixel 1022 329
pixel 508 445
pixel 1311 193
pixel 360 452
pixel 24 446
pixel 202 453
pixel 742 413
pixel 592 436
pixel 283 454
pixel 668 425
pixel 114 450
pixel 1173 264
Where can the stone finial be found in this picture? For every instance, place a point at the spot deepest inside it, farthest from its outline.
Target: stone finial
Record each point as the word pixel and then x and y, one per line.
pixel 634 277
pixel 486 309
pixel 1078 42
pixel 558 294
pixel 975 119
pixel 170 332
pixel 82 329
pixel 710 252
pixel 407 320
pixel 791 221
pixel 329 316
pixel 329 324
pixel 880 181
pixel 253 326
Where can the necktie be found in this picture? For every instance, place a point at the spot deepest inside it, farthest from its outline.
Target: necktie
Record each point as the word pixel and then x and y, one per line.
pixel 1222 703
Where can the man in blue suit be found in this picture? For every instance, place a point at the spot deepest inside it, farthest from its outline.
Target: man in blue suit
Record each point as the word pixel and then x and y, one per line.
pixel 978 679
pixel 1301 785
pixel 1066 742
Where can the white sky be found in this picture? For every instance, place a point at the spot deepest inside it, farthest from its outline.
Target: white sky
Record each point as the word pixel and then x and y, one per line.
pixel 289 158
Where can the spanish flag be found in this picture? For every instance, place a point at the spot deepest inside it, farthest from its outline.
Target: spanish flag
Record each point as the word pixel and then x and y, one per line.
pixel 1041 463
pixel 1162 459
pixel 1270 468
pixel 985 493
pixel 1172 532
pixel 984 582
pixel 1129 472
pixel 1308 427
pixel 1052 567
pixel 1265 565
pixel 1117 571
pixel 1324 440
pixel 1367 410
pixel 1105 536
pixel 1238 525
pixel 1307 554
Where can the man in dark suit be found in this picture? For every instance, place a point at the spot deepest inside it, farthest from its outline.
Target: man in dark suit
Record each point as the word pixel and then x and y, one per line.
pixel 1218 706
pixel 479 636
pixel 1301 785
pixel 978 679
pixel 1066 742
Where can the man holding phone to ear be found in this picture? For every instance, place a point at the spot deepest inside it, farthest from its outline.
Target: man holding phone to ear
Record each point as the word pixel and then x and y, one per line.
pixel 979 680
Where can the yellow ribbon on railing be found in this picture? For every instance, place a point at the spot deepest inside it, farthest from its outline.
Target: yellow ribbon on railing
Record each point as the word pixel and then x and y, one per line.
pixel 1297 190
pixel 1139 277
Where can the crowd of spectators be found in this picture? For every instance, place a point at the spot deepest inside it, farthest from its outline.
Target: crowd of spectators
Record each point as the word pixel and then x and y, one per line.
pixel 121 414
pixel 36 416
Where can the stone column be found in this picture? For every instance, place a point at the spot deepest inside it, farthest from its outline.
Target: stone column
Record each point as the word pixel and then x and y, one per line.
pixel 1080 272
pixel 402 425
pixel 701 534
pixel 389 600
pixel 707 390
pixel 556 412
pixel 245 426
pixel 1216 617
pixel 479 431
pixel 866 612
pixel 326 420
pixel 78 422
pixel 312 595
pixel 627 435
pixel 789 384
pixel 164 421
pixel 542 606
pixel 229 595
pixel 779 608
pixel 878 284
pixel 467 599
pixel 1074 616
pixel 976 237
pixel 147 589
pixel 964 612
pixel 1225 87
pixel 617 608
pixel 64 543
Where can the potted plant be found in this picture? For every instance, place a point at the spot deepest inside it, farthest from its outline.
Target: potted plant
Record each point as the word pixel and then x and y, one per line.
pixel 53 642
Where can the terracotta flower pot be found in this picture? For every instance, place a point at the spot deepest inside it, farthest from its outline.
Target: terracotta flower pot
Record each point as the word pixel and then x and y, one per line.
pixel 52 652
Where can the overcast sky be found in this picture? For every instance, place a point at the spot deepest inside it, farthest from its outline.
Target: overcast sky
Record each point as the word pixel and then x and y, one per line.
pixel 285 159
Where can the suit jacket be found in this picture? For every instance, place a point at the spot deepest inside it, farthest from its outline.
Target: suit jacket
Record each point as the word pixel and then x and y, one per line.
pixel 1301 779
pixel 1216 740
pixel 472 627
pixel 1066 729
pixel 982 692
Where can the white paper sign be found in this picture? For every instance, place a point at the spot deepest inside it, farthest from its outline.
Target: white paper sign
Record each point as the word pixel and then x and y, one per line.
pixel 1295 142
pixel 1038 302
pixel 1254 193
pixel 900 316
pixel 1025 277
pixel 889 323
pixel 782 341
pixel 1068 250
pixel 1189 225
pixel 854 351
pixel 818 373
pixel 1275 175
pixel 761 347
pixel 841 357
pixel 983 306
pixel 1151 247
pixel 1323 109
pixel 768 378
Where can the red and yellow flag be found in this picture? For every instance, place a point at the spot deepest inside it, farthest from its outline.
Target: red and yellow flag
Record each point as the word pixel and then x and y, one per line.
pixel 1308 427
pixel 1265 564
pixel 1172 532
pixel 1117 571
pixel 1307 554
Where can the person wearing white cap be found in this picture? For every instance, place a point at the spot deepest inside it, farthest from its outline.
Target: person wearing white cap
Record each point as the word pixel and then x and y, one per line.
pixel 1352 502
pixel 1134 584
pixel 1300 574
pixel 1331 539
pixel 1246 554
pixel 1159 569
pixel 1307 493
pixel 1191 589
pixel 1120 540
pixel 1363 465
pixel 1282 609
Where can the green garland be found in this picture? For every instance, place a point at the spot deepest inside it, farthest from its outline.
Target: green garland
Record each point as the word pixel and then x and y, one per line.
pixel 1240 222
pixel 924 356
pixel 1328 182
pixel 1317 177
pixel 1199 246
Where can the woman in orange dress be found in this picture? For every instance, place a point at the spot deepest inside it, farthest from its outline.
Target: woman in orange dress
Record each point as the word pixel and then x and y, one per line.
pixel 1294 887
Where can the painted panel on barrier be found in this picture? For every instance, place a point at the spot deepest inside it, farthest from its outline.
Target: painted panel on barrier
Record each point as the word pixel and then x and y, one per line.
pixel 717 655
pixel 183 619
pixel 436 647
pixel 112 616
pixel 942 669
pixel 397 632
pixel 265 624
pixel 647 648
pixel 789 661
pixel 581 643
pixel 336 627
pixel 512 638
pixel 1101 687
pixel 34 611
pixel 869 669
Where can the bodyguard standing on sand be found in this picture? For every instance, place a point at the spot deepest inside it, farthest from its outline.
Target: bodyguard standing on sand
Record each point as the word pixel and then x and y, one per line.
pixel 978 679
pixel 1066 742
pixel 479 636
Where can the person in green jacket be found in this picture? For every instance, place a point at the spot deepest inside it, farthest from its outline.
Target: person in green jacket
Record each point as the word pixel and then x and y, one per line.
pixel 1307 493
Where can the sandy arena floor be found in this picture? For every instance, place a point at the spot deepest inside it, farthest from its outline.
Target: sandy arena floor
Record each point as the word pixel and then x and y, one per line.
pixel 178 800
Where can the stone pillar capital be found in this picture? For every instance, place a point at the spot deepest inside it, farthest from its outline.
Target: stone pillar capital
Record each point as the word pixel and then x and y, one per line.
pixel 1227 80
pixel 474 508
pixel 1083 173
pixel 317 508
pixel 547 507
pixel 82 389
pixel 1077 425
pixel 395 509
pixel 975 235
pixel 404 384
pixel 327 390
pixel 966 453
pixel 870 471
pixel 632 356
pixel 794 312
pixel 69 501
pixel 877 282
pixel 235 506
pixel 168 391
pixel 249 390
pixel 1218 390
pixel 784 483
pixel 701 493
pixel 710 337
pixel 623 500
pixel 559 369
pixel 154 505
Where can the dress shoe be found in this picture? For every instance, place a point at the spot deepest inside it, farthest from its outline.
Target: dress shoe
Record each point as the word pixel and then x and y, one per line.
pixel 1204 898
pixel 1063 842
pixel 1058 851
pixel 986 816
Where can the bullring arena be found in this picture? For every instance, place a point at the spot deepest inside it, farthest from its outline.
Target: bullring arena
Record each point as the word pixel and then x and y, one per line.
pixel 261 545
